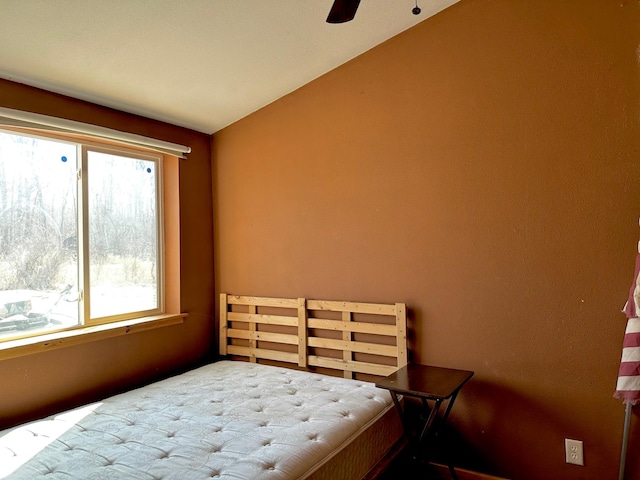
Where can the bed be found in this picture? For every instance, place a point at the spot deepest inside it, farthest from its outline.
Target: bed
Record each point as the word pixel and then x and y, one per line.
pixel 274 408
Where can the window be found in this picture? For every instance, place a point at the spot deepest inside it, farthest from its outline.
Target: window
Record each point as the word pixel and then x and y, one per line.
pixel 80 234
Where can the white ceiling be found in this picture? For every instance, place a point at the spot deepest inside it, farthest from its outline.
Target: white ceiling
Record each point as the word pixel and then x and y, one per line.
pixel 201 64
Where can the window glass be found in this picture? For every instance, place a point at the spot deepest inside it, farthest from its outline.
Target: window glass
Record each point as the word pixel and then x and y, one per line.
pixel 80 235
pixel 123 240
pixel 38 235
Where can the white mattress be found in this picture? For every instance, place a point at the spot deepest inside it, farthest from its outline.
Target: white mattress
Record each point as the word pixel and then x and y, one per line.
pixel 228 420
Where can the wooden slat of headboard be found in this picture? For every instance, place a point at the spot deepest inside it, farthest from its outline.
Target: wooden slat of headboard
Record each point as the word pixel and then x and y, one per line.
pixel 347 352
pixel 263 353
pixel 355 307
pixel 252 329
pixel 350 346
pixel 302 332
pixel 263 301
pixel 264 336
pixel 360 367
pixel 356 327
pixel 264 319
pixel 224 311
pixel 401 334
pixel 311 347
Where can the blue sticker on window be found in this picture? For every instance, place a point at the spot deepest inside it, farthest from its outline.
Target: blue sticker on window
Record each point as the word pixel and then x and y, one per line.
pixel 64 159
pixel 148 170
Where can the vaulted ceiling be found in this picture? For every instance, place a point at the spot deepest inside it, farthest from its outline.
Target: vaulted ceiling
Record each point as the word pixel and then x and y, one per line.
pixel 201 64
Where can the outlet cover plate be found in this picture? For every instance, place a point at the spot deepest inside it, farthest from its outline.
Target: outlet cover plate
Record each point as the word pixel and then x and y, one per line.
pixel 574 452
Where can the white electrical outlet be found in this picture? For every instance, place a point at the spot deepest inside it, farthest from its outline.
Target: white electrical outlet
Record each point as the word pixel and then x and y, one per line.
pixel 573 451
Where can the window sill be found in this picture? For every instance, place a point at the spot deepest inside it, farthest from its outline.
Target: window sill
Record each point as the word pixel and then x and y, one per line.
pixel 67 338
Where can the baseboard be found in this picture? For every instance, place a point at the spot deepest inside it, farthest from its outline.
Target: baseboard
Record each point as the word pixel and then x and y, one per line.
pixel 442 470
pixel 464 474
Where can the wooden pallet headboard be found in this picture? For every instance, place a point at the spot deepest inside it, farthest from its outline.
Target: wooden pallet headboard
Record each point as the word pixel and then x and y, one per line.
pixel 366 338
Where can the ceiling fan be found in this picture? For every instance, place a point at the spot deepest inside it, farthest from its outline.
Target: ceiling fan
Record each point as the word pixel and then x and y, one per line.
pixel 344 10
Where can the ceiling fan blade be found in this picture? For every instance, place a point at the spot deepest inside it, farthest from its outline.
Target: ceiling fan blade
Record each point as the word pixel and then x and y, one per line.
pixel 343 11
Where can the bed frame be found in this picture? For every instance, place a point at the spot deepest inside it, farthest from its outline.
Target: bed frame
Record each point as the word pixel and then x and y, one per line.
pixel 355 338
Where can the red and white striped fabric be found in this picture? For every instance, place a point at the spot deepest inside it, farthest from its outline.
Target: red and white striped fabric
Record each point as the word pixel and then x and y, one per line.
pixel 628 387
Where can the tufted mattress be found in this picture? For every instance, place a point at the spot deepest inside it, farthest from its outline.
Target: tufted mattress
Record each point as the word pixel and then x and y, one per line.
pixel 227 420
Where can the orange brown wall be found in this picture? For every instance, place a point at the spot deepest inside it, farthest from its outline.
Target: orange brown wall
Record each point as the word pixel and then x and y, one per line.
pixel 43 383
pixel 483 168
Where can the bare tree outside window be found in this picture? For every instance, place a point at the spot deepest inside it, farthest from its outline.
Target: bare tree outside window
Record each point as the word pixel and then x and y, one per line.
pixel 122 234
pixel 38 213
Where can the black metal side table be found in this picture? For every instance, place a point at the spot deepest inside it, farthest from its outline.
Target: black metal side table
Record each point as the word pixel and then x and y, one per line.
pixel 430 384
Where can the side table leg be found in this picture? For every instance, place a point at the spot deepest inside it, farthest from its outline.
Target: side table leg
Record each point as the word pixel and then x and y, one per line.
pixel 430 418
pixel 449 455
pixel 406 427
pixel 396 402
